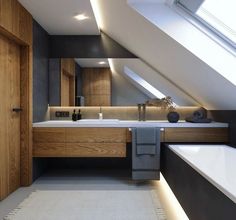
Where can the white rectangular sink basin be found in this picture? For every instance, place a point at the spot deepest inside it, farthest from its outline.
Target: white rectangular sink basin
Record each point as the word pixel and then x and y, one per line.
pixel 98 121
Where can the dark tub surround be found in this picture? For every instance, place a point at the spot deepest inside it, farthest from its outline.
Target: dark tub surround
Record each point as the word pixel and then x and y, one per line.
pixel 199 198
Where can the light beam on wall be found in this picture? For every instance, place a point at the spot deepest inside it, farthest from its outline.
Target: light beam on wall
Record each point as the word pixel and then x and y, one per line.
pixel 134 76
pixel 97 14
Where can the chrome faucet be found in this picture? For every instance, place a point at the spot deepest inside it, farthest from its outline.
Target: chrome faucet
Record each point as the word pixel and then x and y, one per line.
pixel 142 112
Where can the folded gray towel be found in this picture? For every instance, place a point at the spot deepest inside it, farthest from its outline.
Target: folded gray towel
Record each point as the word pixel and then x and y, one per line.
pixel 146 149
pixel 146 136
pixel 145 153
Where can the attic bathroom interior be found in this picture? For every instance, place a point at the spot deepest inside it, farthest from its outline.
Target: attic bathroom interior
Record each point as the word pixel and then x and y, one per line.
pixel 117 109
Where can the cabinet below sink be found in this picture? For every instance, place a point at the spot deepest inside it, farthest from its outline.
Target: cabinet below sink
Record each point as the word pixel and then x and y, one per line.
pixel 79 142
pixel 110 141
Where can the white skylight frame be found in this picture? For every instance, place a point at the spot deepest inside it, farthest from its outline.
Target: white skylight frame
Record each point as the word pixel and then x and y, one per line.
pixel 196 9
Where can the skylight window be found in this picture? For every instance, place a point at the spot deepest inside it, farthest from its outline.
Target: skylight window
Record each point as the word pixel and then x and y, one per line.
pixel 218 15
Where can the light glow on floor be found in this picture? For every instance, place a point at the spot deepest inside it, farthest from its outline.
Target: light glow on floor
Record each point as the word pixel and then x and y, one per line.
pixel 169 201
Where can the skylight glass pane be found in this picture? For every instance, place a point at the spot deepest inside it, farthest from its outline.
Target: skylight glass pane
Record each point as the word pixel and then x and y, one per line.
pixel 221 15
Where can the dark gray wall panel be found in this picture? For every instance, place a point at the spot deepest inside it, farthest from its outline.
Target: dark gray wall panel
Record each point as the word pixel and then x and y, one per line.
pixel 40 72
pixel 228 116
pixel 87 46
pixel 54 82
pixel 78 73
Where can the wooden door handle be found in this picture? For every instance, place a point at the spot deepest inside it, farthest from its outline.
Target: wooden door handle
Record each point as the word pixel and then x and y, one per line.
pixel 17 109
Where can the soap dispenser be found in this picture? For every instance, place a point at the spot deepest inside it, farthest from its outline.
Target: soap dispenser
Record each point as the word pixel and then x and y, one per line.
pixel 74 116
pixel 79 115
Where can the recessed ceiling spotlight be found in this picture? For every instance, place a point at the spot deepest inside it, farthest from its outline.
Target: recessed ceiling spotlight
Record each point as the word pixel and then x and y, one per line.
pixel 81 17
pixel 102 62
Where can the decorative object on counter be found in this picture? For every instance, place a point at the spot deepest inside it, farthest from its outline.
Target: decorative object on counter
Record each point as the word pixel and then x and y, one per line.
pixel 166 103
pixel 199 116
pixel 79 115
pixel 142 112
pixel 74 116
pixel 173 117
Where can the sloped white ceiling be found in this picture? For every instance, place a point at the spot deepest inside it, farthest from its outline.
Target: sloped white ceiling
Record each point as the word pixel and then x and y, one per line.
pixel 189 73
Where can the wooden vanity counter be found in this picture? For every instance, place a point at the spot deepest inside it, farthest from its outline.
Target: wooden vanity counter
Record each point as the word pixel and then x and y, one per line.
pixel 110 140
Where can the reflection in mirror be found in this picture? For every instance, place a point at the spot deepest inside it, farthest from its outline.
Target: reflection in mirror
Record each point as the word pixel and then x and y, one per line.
pixel 93 82
pixel 109 82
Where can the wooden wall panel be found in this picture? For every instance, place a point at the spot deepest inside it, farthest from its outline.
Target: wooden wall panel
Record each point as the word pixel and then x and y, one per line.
pixel 16 20
pixel 16 24
pixel 6 13
pixel 97 86
pixel 26 24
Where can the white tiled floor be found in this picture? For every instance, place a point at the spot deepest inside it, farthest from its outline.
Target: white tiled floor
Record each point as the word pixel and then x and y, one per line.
pixel 93 180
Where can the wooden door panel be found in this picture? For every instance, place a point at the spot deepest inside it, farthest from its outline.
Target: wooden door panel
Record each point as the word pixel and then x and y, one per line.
pixel 9 120
pixel 3 120
pixel 14 117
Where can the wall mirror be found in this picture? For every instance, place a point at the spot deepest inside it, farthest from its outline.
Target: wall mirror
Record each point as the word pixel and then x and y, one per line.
pixel 97 82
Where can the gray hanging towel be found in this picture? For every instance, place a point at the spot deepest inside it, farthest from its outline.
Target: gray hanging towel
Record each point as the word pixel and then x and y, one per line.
pixel 146 153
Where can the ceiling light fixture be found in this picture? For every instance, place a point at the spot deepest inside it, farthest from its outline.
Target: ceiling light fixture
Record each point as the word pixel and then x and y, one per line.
pixel 81 17
pixel 102 62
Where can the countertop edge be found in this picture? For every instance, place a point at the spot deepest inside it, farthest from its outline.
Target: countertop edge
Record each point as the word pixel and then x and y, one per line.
pixel 124 124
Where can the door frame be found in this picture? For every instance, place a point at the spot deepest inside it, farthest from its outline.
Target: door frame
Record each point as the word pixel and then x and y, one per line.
pixel 26 105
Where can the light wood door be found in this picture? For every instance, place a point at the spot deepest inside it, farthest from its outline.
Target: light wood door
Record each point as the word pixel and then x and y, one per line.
pixel 96 86
pixel 9 120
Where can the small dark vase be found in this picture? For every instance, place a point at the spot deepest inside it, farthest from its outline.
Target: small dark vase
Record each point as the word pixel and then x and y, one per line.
pixel 173 117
